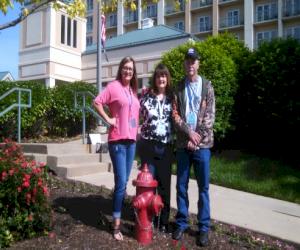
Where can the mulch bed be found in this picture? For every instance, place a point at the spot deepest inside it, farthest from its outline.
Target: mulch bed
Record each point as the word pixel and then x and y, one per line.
pixel 82 219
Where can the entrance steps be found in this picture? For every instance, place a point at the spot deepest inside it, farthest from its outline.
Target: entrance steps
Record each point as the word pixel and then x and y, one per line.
pixel 69 159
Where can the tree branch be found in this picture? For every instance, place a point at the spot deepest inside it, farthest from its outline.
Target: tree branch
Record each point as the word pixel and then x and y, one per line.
pixel 22 16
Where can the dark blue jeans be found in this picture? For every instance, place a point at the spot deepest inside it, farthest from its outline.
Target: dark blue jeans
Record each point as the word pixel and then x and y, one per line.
pixel 200 160
pixel 122 155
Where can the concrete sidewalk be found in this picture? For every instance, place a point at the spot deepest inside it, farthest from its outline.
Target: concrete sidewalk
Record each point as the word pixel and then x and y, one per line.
pixel 261 214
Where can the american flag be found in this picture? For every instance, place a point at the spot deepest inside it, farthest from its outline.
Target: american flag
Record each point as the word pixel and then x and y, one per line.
pixel 103 30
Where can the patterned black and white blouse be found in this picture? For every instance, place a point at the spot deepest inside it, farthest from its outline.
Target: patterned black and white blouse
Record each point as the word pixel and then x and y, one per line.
pixel 156 118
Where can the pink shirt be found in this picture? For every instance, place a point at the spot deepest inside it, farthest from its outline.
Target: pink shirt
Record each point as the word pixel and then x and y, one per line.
pixel 124 106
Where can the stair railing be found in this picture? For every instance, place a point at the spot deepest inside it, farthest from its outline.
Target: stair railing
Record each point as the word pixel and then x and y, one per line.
pixel 86 108
pixel 18 105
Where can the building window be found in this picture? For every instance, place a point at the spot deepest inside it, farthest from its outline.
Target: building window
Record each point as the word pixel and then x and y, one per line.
pixel 150 11
pixel 74 33
pixel 69 32
pixel 62 29
pixel 265 36
pixel 179 25
pixel 89 40
pixel 293 32
pixel 204 23
pixel 112 20
pixel 89 24
pixel 131 16
pixel 266 12
pixel 233 18
pixel 89 5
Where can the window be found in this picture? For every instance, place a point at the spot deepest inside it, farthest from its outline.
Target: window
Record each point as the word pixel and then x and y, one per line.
pixel 233 18
pixel 89 40
pixel 112 20
pixel 293 32
pixel 89 4
pixel 132 16
pixel 74 33
pixel 150 11
pixel 179 25
pixel 89 24
pixel 265 36
pixel 291 7
pixel 204 23
pixel 68 31
pixel 266 12
pixel 62 29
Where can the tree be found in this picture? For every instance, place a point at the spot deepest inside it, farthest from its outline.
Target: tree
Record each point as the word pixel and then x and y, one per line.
pixel 73 8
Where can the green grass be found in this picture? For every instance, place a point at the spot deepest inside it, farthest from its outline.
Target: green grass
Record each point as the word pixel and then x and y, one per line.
pixel 256 175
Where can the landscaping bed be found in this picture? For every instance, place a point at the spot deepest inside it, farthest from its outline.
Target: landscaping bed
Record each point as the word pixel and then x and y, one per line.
pixel 81 219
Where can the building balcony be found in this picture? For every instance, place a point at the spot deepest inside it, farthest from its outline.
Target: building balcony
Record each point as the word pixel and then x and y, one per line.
pixel 131 18
pixel 262 17
pixel 195 4
pixel 201 28
pixel 171 9
pixel 233 22
pixel 291 10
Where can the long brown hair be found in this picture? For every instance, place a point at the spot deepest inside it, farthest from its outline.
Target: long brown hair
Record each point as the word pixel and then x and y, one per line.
pixel 134 80
pixel 161 69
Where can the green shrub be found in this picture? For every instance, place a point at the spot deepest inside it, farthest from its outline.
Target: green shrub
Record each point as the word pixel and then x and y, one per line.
pixel 52 112
pixel 24 206
pixel 269 101
pixel 216 66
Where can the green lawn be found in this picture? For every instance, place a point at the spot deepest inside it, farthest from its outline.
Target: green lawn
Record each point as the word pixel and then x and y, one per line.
pixel 255 175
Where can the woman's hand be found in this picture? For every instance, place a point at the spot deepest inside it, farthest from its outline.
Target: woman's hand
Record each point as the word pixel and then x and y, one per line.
pixel 112 121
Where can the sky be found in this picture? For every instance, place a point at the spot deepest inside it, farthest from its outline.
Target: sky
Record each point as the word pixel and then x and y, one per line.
pixel 9 43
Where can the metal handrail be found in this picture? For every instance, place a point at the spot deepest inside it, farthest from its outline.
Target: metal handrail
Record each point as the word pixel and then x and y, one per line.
pixel 87 108
pixel 18 105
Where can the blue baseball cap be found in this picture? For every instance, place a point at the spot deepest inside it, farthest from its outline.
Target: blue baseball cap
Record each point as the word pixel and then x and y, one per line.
pixel 192 54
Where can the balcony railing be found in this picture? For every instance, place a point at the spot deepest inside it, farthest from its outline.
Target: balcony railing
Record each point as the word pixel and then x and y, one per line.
pixel 200 3
pixel 266 16
pixel 170 9
pixel 131 18
pixel 290 10
pixel 202 28
pixel 231 22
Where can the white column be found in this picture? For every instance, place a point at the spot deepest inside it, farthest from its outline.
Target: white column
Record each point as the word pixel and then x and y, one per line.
pixel 279 14
pixel 50 82
pixel 187 21
pixel 139 10
pixel 215 18
pixel 120 17
pixel 248 23
pixel 161 12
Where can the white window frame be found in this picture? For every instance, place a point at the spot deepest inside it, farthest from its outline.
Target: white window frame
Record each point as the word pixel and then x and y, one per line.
pixel 89 24
pixel 233 18
pixel 179 25
pixel 266 35
pixel 266 11
pixel 204 23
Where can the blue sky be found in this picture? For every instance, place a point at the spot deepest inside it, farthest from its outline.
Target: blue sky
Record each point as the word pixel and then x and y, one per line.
pixel 9 43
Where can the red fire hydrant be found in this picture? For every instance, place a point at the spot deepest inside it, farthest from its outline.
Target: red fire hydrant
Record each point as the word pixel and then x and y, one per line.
pixel 146 204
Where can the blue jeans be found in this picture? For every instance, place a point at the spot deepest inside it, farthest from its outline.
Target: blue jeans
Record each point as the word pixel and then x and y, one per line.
pixel 200 160
pixel 122 156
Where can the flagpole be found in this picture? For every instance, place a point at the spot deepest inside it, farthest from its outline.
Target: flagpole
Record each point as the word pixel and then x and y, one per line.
pixel 99 49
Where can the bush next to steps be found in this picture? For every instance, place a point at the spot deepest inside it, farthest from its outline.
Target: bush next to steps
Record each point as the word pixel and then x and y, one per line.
pixel 52 112
pixel 24 205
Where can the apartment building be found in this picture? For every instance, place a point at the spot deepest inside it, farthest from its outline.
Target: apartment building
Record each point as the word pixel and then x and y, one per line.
pixel 252 21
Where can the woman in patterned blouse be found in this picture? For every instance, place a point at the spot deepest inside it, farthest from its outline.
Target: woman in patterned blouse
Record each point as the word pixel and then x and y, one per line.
pixel 156 136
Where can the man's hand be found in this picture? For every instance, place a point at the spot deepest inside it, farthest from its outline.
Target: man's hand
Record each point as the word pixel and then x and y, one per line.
pixel 112 121
pixel 191 146
pixel 195 137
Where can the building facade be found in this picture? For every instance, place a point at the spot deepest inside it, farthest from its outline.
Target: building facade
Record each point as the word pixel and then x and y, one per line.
pixel 252 21
pixel 57 48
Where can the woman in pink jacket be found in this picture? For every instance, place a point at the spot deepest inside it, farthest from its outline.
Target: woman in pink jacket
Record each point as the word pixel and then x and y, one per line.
pixel 120 96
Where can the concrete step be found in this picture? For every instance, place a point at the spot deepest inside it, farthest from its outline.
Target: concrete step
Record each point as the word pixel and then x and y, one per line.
pixel 75 170
pixel 62 159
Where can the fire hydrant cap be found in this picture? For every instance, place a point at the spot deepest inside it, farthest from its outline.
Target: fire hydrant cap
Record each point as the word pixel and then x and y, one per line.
pixel 145 178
